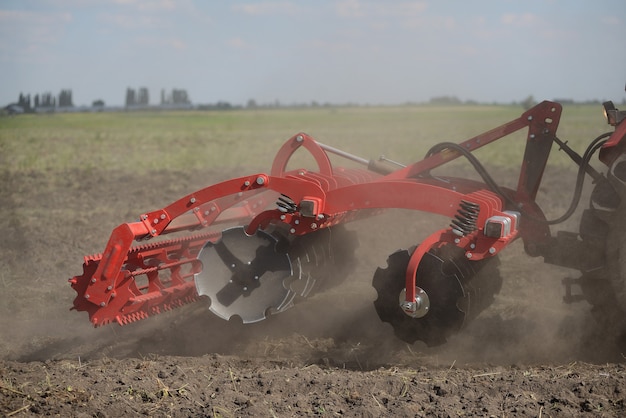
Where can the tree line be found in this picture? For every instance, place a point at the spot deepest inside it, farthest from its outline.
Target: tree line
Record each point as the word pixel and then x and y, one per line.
pixel 45 100
pixel 179 98
pixel 141 97
pixel 134 97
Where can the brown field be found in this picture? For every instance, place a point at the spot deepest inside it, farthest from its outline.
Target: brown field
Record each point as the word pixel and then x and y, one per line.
pixel 529 354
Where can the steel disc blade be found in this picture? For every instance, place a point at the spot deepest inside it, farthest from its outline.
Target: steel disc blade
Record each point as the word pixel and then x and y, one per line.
pixel 444 290
pixel 245 275
pixel 451 283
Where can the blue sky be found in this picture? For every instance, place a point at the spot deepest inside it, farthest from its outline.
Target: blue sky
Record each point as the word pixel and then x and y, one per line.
pixel 360 51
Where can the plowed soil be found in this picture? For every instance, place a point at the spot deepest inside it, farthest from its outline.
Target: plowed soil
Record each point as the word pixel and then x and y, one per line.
pixel 529 354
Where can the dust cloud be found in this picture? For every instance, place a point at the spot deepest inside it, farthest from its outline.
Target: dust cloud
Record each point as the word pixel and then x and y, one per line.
pixel 527 323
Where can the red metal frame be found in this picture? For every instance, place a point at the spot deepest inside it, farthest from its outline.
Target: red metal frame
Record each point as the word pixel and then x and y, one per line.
pixel 108 288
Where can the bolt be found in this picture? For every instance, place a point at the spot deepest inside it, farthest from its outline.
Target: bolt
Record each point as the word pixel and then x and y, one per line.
pixel 256 277
pixel 153 232
pixel 245 288
pixel 532 136
pixel 163 216
pixel 313 225
pixel 492 250
pixel 283 217
pixel 102 304
pixel 409 306
pixel 93 280
pixel 246 183
pixel 292 230
pixel 530 118
pixel 299 138
pixel 297 222
pixel 192 200
pixel 87 296
pixel 320 217
pixel 232 266
pixel 260 180
pixel 109 287
pixel 206 213
pixel 457 240
pixel 155 221
pixel 113 294
pixel 472 246
pixel 468 255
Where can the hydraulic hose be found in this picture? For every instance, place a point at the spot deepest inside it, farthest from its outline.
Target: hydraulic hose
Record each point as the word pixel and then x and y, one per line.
pixel 583 168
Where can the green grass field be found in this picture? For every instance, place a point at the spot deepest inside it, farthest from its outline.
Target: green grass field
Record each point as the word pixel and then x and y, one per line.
pixel 141 142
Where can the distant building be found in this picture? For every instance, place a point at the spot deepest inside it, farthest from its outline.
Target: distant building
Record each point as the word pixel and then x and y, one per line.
pixel 14 109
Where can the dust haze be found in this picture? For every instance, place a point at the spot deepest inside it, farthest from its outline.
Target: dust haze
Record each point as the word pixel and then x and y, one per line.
pixel 528 322
pixel 527 354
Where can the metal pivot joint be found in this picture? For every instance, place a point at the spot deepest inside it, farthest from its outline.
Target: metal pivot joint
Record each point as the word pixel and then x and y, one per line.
pixel 419 307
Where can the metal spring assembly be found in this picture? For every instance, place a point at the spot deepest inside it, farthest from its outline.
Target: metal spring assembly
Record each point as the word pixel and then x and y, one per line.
pixel 286 204
pixel 464 221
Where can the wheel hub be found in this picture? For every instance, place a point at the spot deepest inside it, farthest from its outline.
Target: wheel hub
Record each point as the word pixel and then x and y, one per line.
pixel 418 308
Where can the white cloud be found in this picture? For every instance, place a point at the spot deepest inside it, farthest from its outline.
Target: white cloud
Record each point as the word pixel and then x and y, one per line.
pixel 132 21
pixel 407 8
pixel 447 23
pixel 177 44
pixel 14 17
pixel 334 46
pixel 611 20
pixel 238 43
pixel 366 9
pixel 469 50
pixel 28 36
pixel 161 43
pixel 267 8
pixel 520 20
pixel 350 8
pixel 148 5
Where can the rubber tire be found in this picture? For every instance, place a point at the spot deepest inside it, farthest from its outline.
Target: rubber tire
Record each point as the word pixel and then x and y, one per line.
pixel 605 289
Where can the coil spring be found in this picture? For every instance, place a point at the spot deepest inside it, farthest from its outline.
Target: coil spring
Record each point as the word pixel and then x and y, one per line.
pixel 464 221
pixel 286 204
